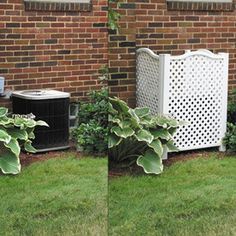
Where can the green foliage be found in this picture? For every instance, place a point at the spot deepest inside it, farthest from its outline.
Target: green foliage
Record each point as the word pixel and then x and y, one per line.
pixel 113 16
pixel 15 133
pixel 232 107
pixel 92 131
pixel 230 136
pixel 91 137
pixel 136 135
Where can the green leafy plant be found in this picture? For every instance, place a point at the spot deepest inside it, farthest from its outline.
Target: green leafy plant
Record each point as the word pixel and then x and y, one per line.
pixel 15 134
pixel 230 137
pixel 137 136
pixel 232 107
pixel 92 131
pixel 91 137
pixel 113 16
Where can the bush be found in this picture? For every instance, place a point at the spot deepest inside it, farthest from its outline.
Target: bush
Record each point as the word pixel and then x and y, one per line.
pixel 16 133
pixel 92 131
pixel 230 136
pixel 137 136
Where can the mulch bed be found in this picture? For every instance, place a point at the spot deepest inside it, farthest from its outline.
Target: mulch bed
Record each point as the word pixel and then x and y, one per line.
pixel 172 158
pixel 29 158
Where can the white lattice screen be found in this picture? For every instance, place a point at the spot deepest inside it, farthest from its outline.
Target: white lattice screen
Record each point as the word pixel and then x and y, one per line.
pixel 191 87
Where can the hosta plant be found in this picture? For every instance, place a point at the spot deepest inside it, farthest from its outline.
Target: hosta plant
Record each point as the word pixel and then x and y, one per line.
pixel 137 136
pixel 16 133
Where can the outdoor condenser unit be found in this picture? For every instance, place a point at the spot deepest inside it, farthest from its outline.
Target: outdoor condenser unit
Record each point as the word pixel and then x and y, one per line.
pixel 50 106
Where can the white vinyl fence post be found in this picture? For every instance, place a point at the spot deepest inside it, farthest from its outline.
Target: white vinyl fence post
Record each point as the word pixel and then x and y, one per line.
pixel 222 147
pixel 164 60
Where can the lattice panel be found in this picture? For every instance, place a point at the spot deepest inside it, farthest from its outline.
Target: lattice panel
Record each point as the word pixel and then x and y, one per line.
pixel 148 82
pixel 195 95
pixel 191 87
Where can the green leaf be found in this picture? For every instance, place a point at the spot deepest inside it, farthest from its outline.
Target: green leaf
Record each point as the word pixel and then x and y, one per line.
pixel 31 135
pixel 119 105
pixel 3 111
pixel 14 146
pixel 123 133
pixel 171 147
pixel 161 133
pixel 134 119
pixel 4 136
pixel 111 110
pixel 151 162
pixel 18 133
pixel 9 162
pixel 157 147
pixel 141 111
pixel 144 135
pixel 113 140
pixel 29 148
pixel 30 123
pixel 41 123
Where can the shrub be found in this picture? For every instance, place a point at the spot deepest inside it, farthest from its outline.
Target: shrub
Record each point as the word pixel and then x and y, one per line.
pixel 137 136
pixel 92 131
pixel 15 134
pixel 230 136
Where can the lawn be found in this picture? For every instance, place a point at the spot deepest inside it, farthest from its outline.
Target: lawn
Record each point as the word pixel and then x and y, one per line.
pixel 60 196
pixel 196 197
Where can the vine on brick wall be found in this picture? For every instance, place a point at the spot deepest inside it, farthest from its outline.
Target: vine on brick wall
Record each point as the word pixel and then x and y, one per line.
pixel 113 15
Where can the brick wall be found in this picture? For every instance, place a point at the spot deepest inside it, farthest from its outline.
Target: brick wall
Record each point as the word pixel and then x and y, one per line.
pixel 165 30
pixel 122 54
pixel 52 49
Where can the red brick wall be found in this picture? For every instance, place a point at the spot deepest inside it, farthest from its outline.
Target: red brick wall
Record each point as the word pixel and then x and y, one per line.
pixel 58 50
pixel 173 31
pixel 122 54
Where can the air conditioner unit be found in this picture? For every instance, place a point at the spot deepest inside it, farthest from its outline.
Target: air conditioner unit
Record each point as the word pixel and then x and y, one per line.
pixel 50 106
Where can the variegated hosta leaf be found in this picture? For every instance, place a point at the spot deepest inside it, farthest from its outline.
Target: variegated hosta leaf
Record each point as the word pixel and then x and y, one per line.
pixel 123 133
pixel 4 136
pixel 119 105
pixel 171 147
pixel 30 123
pixel 3 111
pixel 113 119
pixel 157 147
pixel 113 140
pixel 29 148
pixel 144 135
pixel 18 133
pixel 151 162
pixel 141 111
pixel 31 135
pixel 41 123
pixel 14 146
pixel 161 133
pixel 111 110
pixel 9 162
pixel 134 119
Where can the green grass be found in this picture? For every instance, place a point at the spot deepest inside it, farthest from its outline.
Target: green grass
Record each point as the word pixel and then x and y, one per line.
pixel 197 197
pixel 61 196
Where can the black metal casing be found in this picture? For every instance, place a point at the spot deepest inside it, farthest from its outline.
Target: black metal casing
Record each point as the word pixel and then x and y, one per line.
pixel 55 112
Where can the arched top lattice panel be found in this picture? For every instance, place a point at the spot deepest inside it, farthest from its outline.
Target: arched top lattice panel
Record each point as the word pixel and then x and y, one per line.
pixel 191 87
